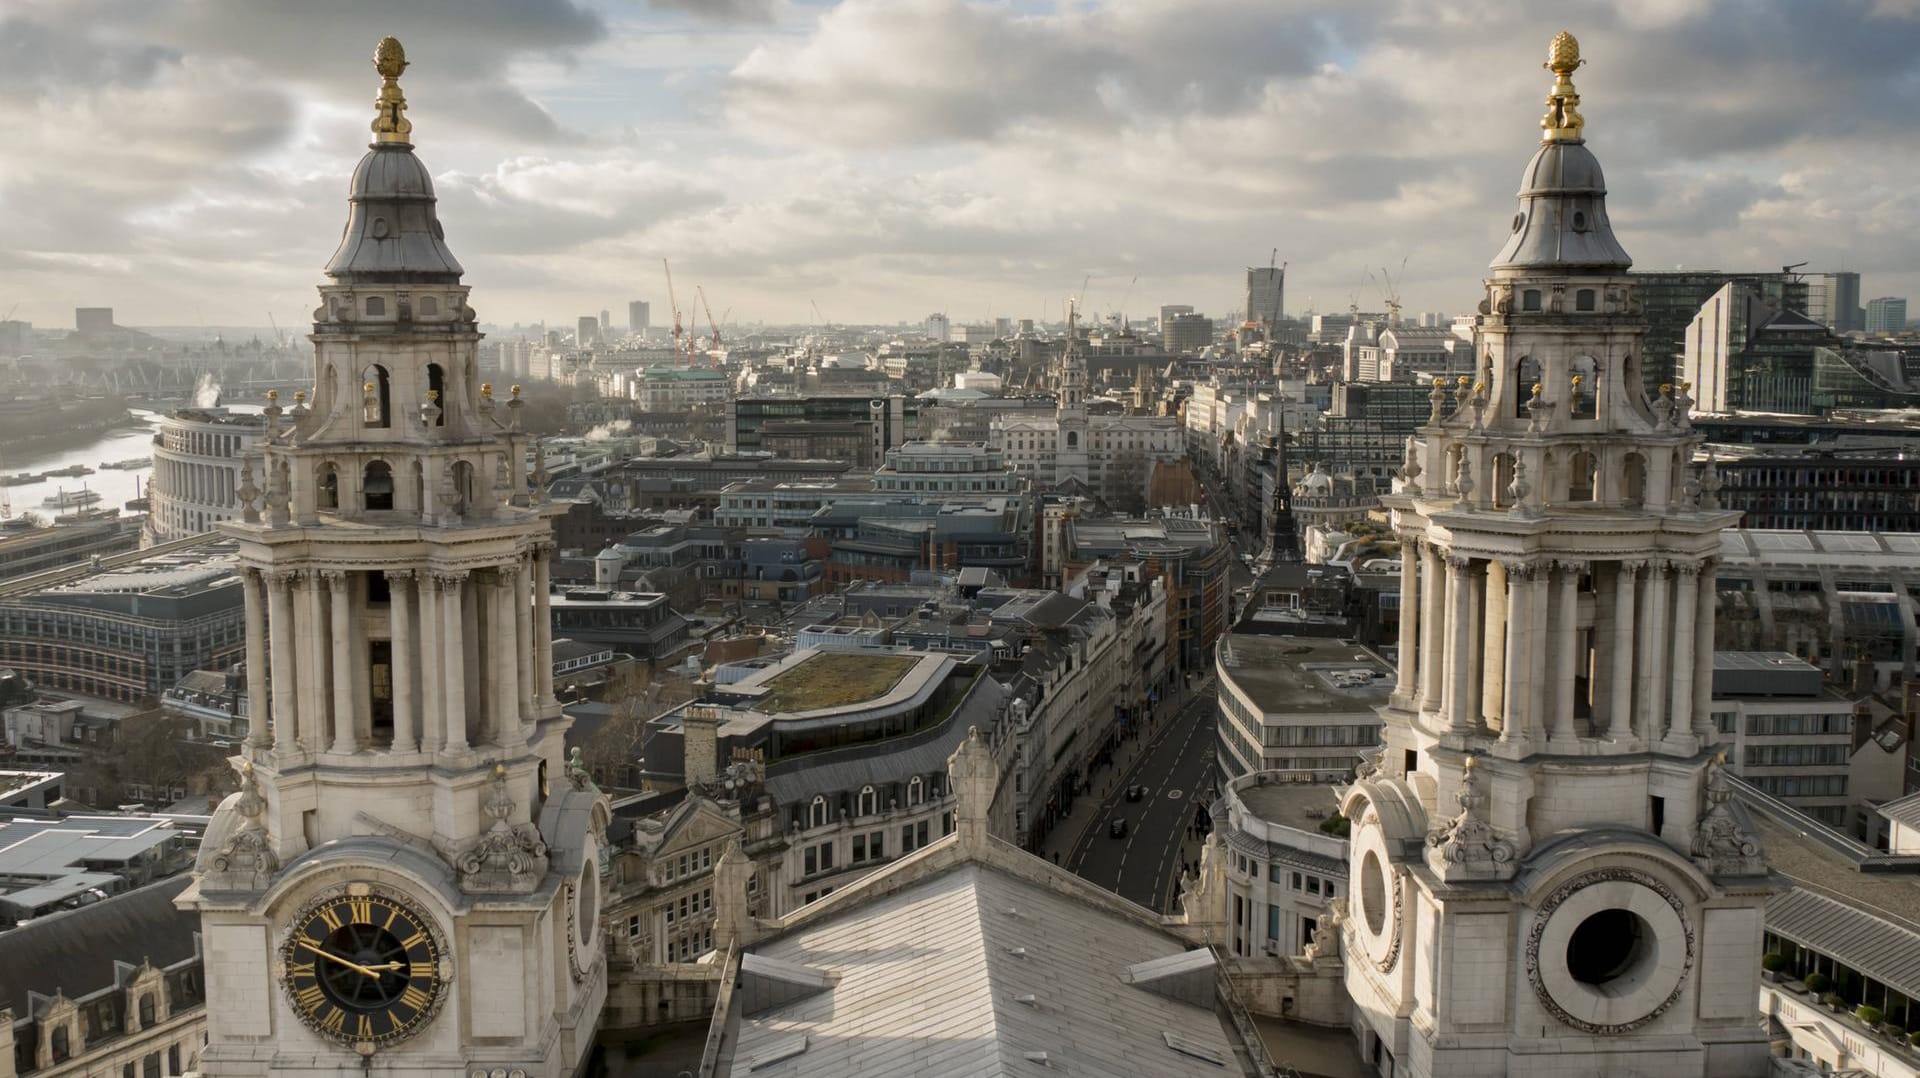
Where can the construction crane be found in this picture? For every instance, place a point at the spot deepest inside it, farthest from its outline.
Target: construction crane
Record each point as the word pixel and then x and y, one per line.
pixel 674 302
pixel 1124 297
pixel 1391 293
pixel 711 324
pixel 818 318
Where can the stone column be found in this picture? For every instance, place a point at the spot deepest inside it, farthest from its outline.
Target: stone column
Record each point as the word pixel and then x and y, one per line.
pixel 1518 688
pixel 1686 604
pixel 1566 666
pixel 257 665
pixel 1652 648
pixel 1433 583
pixel 454 666
pixel 286 723
pixel 405 656
pixel 542 625
pixel 1620 723
pixel 342 628
pixel 1474 651
pixel 433 725
pixel 315 689
pixel 1539 654
pixel 1458 703
pixel 523 632
pixel 1408 685
pixel 1703 630
pixel 1493 650
pixel 507 636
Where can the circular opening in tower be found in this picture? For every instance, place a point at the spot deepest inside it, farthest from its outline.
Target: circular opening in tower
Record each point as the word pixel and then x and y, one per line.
pixel 1607 946
pixel 1373 892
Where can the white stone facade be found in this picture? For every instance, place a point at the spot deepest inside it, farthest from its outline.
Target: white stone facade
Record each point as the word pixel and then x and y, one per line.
pixel 197 457
pixel 409 770
pixel 1546 877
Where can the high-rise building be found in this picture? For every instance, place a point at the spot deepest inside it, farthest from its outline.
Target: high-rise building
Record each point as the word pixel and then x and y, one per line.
pixel 1266 294
pixel 1186 333
pixel 1167 311
pixel 586 331
pixel 13 337
pixel 1546 875
pixel 1669 300
pixel 410 871
pixel 639 316
pixel 1833 299
pixel 1885 315
pixel 606 325
pixel 938 327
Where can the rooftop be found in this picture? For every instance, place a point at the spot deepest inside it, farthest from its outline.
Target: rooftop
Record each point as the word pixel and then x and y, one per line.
pixel 1305 676
pixel 1302 805
pixel 828 679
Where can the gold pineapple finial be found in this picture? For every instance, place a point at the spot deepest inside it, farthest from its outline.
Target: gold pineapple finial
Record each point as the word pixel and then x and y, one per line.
pixel 390 123
pixel 1563 121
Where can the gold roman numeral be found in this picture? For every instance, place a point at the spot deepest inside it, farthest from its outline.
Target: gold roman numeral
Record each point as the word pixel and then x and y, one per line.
pixel 300 969
pixel 331 915
pixel 393 1022
pixel 393 914
pixel 309 998
pixel 360 910
pixel 366 1027
pixel 335 1021
pixel 413 997
pixel 414 940
pixel 420 971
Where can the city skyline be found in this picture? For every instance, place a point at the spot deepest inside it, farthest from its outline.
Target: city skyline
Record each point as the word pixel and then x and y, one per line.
pixel 883 160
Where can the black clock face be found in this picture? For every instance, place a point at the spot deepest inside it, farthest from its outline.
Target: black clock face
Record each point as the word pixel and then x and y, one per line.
pixel 363 967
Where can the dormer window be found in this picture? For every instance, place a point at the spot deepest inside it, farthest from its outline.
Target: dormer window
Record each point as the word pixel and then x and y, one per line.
pixel 376 307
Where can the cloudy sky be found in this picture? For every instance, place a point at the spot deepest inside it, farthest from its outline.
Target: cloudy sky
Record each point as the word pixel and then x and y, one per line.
pixel 185 161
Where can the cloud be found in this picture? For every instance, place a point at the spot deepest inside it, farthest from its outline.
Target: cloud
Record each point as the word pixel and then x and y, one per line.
pixel 759 11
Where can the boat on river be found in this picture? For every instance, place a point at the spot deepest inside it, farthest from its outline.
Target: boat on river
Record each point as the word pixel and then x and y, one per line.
pixel 67 498
pixel 70 470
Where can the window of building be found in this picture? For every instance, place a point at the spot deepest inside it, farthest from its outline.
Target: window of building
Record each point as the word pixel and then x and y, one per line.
pixel 817 812
pixel 1530 299
pixel 429 306
pixel 376 307
pixel 1583 299
pixel 916 791
pixel 869 801
pixel 146 1010
pixel 150 1066
pixel 376 489
pixel 62 1046
pixel 328 496
pixel 173 1059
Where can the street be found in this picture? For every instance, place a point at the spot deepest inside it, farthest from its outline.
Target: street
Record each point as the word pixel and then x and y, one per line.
pixel 1175 768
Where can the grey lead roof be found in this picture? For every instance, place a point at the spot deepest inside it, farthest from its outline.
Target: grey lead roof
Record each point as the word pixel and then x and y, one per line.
pixel 1885 951
pixel 966 973
pixel 75 951
pixel 393 235
pixel 1562 222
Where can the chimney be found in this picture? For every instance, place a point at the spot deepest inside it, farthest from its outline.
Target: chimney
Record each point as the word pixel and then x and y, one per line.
pixel 700 732
pixel 1863 676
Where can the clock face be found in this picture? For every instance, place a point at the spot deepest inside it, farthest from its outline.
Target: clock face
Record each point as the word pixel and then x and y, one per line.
pixel 363 966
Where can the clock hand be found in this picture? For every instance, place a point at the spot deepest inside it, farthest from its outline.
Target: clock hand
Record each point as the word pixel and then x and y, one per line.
pixel 355 966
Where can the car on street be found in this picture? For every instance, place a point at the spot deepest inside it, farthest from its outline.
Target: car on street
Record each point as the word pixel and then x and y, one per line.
pixel 1136 792
pixel 1117 829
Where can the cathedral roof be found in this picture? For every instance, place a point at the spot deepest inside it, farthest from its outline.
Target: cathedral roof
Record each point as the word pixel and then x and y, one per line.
pixel 393 235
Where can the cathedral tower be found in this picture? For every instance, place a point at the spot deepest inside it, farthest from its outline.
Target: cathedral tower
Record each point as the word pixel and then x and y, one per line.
pixel 408 879
pixel 1547 875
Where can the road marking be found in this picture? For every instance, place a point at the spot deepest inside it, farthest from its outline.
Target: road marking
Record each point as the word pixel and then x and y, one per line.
pixel 1174 794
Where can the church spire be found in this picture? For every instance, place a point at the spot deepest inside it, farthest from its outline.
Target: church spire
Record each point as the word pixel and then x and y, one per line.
pixel 1563 122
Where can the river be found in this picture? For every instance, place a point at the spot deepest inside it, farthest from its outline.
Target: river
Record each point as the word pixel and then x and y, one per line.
pixel 115 486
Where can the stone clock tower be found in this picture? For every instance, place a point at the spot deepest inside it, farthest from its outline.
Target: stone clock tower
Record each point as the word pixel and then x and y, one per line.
pixel 408 881
pixel 1071 449
pixel 1547 874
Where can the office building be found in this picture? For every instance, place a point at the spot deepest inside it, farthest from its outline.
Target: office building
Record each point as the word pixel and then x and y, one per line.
pixel 1833 300
pixel 1266 295
pixel 1886 316
pixel 1186 334
pixel 639 316
pixel 586 332
pixel 1668 300
pixel 201 459
pixel 1299 704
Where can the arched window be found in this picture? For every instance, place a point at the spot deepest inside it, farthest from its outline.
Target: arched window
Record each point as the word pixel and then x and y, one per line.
pixel 376 487
pixel 437 386
pixel 419 486
pixel 62 1046
pixel 462 486
pixel 146 1010
pixel 375 388
pixel 1073 439
pixel 1583 300
pixel 429 306
pixel 329 487
pixel 1580 476
pixel 1501 496
pixel 376 307
pixel 1530 300
pixel 1584 386
pixel 1525 374
pixel 916 791
pixel 869 801
pixel 1633 480
pixel 817 812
